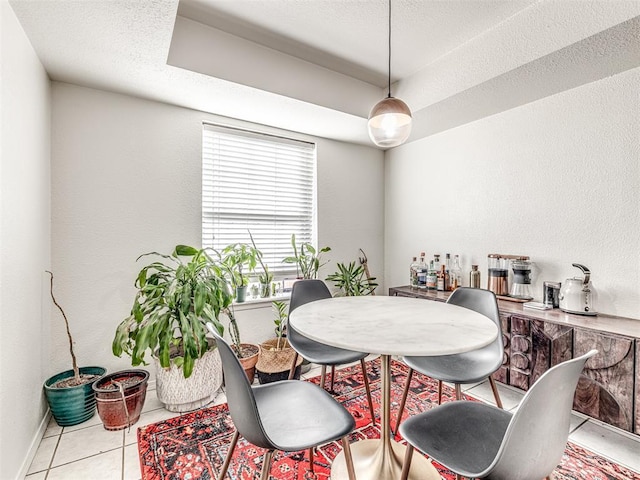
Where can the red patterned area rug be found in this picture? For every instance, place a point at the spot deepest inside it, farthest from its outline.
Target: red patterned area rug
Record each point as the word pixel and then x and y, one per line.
pixel 194 445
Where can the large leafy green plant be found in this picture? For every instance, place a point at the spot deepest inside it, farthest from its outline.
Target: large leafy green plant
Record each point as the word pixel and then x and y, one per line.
pixel 176 297
pixel 351 280
pixel 306 258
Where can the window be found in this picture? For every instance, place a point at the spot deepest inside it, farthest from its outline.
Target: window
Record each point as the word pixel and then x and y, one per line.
pixel 257 182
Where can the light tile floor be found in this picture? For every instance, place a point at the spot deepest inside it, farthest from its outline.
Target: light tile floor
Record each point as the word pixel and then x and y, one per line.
pixel 89 452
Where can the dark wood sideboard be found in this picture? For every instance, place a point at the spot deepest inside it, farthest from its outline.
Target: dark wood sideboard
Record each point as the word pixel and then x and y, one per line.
pixel 535 340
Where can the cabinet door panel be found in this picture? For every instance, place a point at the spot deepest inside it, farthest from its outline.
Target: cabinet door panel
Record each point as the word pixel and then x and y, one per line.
pixel 502 374
pixel 637 397
pixel 605 389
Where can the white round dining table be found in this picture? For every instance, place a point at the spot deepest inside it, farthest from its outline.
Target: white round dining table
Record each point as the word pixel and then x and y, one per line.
pixel 390 325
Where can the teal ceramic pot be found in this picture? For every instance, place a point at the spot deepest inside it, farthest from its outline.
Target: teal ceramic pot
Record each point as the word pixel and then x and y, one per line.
pixel 72 405
pixel 241 294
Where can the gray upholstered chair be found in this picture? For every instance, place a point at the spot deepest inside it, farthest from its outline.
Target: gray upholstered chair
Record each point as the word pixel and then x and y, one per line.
pixel 288 415
pixel 469 367
pixel 476 440
pixel 305 291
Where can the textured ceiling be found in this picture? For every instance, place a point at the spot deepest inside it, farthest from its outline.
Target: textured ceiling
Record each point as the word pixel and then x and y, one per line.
pixel 317 66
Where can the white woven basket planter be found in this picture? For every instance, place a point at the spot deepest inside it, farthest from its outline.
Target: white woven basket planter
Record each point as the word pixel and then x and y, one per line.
pixel 179 394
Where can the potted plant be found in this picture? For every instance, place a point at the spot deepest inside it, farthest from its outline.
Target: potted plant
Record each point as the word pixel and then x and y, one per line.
pixel 276 355
pixel 120 397
pixel 247 353
pixel 265 277
pixel 69 394
pixel 351 280
pixel 306 259
pixel 235 258
pixel 177 295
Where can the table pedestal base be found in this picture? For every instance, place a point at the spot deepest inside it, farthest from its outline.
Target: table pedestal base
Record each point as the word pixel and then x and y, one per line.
pixel 374 462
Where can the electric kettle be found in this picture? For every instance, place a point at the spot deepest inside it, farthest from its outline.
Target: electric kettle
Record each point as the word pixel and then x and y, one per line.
pixel 577 294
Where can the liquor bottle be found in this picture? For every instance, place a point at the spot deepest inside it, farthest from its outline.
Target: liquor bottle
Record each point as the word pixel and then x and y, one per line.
pixel 413 273
pixel 474 277
pixel 447 269
pixel 456 273
pixel 442 280
pixel 436 262
pixel 422 273
pixel 432 277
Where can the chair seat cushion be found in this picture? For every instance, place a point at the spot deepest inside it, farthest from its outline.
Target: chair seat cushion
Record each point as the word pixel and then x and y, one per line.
pixel 467 367
pixel 298 415
pixel 463 436
pixel 322 354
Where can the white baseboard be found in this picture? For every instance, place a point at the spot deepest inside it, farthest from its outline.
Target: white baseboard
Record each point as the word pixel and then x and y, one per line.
pixel 33 447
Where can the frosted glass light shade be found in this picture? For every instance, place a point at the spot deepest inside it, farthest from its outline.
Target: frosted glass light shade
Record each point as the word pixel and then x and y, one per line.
pixel 389 122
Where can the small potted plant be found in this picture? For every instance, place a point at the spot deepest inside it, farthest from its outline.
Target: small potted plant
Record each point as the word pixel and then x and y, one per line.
pixel 351 280
pixel 265 277
pixel 235 258
pixel 306 258
pixel 69 394
pixel 177 295
pixel 276 355
pixel 247 353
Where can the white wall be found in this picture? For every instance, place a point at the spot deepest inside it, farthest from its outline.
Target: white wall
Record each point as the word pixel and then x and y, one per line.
pixel 558 180
pixel 126 180
pixel 24 244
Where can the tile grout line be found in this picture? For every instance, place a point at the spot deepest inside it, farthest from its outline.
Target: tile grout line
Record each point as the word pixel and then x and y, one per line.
pixel 55 450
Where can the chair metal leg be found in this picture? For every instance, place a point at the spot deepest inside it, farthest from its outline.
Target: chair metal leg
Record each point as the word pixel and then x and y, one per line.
pixel 266 465
pixel 311 455
pixel 333 376
pixel 365 377
pixel 439 392
pixel 458 391
pixel 227 460
pixel 292 369
pixel 323 374
pixel 496 395
pixel 406 464
pixel 351 471
pixel 404 399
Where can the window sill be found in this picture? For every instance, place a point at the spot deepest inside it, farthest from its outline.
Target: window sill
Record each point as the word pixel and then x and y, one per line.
pixel 252 303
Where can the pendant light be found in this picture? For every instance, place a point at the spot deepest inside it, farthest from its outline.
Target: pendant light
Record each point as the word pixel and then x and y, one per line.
pixel 390 119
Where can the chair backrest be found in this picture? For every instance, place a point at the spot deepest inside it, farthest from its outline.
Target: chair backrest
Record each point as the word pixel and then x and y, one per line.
pixel 538 431
pixel 304 291
pixel 242 403
pixel 484 302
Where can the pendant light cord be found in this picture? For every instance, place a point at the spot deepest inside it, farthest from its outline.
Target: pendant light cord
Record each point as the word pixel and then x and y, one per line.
pixel 389 77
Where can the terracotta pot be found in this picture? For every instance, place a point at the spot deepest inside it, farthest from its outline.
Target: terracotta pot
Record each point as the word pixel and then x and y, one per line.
pixel 249 362
pixel 120 397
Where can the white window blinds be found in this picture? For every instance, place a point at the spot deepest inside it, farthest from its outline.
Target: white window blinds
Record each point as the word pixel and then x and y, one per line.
pixel 261 183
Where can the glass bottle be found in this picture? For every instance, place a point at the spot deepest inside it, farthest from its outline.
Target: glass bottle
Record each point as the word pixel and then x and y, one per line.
pixel 432 277
pixel 456 273
pixel 422 272
pixel 436 262
pixel 413 273
pixel 442 281
pixel 474 277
